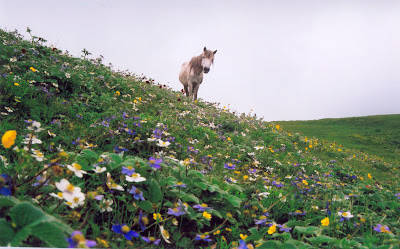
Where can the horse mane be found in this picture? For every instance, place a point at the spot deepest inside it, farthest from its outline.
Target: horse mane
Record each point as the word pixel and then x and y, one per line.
pixel 195 64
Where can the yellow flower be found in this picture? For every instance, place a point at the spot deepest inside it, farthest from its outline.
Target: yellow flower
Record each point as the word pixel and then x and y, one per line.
pixel 272 229
pixel 305 182
pixel 217 232
pixel 325 222
pixel 207 215
pixel 117 93
pixel 16 84
pixel 33 69
pixel 277 127
pixel 369 176
pixel 157 217
pixel 243 236
pixel 8 139
pixel 229 215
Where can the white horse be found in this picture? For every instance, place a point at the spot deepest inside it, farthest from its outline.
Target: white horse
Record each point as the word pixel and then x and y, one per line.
pixel 191 74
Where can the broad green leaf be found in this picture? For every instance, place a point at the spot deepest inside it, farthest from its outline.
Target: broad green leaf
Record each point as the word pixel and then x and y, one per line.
pixel 145 205
pixel 216 213
pixel 155 191
pixel 320 240
pixel 235 201
pixel 171 180
pixel 25 213
pixel 50 234
pixel 20 236
pixel 271 244
pixel 195 173
pixel 8 201
pixel 89 154
pixel 202 185
pixel 7 232
pixel 189 198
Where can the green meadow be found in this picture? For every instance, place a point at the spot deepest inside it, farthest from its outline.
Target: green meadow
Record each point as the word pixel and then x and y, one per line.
pixel 94 157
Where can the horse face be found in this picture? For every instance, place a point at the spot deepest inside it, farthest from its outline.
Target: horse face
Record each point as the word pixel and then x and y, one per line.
pixel 207 59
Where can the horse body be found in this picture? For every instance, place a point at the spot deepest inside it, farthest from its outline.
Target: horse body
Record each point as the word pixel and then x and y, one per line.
pixel 191 75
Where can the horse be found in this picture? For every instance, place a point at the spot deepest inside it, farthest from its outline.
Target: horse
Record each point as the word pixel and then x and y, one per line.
pixel 191 74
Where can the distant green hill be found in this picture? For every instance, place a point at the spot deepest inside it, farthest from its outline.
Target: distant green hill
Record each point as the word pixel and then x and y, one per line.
pixel 376 136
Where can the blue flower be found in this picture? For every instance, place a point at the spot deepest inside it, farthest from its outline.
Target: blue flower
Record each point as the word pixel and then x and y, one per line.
pixel 119 150
pixel 155 162
pixel 5 180
pixel 137 194
pixel 278 184
pixel 77 240
pixel 151 240
pixel 203 237
pixel 229 166
pixel 125 230
pixel 143 221
pixel 129 170
pixel 202 207
pixel 179 184
pixel 176 211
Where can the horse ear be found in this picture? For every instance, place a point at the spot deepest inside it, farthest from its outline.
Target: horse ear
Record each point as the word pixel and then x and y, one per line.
pixel 205 49
pixel 215 51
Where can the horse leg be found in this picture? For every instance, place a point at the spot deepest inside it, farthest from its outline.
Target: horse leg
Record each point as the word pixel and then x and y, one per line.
pixel 186 91
pixel 196 88
pixel 190 88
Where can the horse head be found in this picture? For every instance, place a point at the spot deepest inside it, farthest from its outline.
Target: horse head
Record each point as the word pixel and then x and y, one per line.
pixel 207 59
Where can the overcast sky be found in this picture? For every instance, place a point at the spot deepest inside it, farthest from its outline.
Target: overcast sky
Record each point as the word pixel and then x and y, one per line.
pixel 286 59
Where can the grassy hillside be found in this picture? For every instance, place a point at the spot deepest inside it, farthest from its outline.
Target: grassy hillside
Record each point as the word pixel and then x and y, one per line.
pixel 378 137
pixel 109 159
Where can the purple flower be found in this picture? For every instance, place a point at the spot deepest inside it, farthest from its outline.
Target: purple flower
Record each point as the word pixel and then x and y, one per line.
pixel 278 184
pixel 143 221
pixel 284 228
pixel 202 207
pixel 125 230
pixel 179 184
pixel 262 220
pixel 4 180
pixel 155 162
pixel 77 240
pixel 397 195
pixel 128 170
pixel 229 166
pixel 137 194
pixel 202 237
pixel 298 213
pixel 176 211
pixel 119 150
pixel 151 240
pixel 381 229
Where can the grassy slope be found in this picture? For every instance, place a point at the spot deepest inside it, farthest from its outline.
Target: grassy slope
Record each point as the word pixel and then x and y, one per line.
pixel 90 107
pixel 376 136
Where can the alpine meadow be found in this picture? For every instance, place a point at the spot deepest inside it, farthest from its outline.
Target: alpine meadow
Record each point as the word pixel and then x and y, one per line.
pixel 94 157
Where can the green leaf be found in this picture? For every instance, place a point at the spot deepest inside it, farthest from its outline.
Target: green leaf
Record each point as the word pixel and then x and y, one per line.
pixel 271 244
pixel 289 245
pixel 20 236
pixel 7 232
pixel 8 201
pixel 320 240
pixel 50 234
pixel 189 198
pixel 195 173
pixel 155 191
pixel 24 214
pixel 307 230
pixel 216 213
pixel 235 201
pixel 202 185
pixel 89 155
pixel 171 180
pixel 145 205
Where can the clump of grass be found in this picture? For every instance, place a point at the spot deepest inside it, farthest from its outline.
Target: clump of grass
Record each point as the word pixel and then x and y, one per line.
pixel 106 158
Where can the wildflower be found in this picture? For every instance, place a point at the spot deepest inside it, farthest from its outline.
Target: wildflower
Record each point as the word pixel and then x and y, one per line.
pixel 117 93
pixel 137 194
pixel 284 228
pixel 39 156
pixel 325 222
pixel 151 240
pixel 143 221
pixel 264 194
pixel 161 143
pixel 202 207
pixel 176 211
pixel 103 243
pixel 8 138
pixel 397 195
pixel 99 170
pixel 125 230
pixel 75 200
pixel 40 180
pixel 135 177
pixel 5 180
pixel 128 170
pixel 157 217
pixel 207 215
pixel 229 166
pixel 203 237
pixel 33 69
pixel 77 169
pixel 272 229
pixel 278 184
pixel 217 232
pixel 345 216
pixel 382 229
pixel 155 162
pixel 369 176
pixel 35 126
pixel 179 184
pixel 77 240
pixel 297 213
pixel 32 139
pixel 105 205
pixel 243 236
pixel 262 220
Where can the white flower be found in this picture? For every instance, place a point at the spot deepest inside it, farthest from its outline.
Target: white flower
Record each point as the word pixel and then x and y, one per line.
pixel 38 155
pixel 161 143
pixel 264 194
pixel 66 187
pixel 347 215
pixel 165 234
pixel 75 200
pixel 67 75
pixel 14 59
pixel 51 134
pixel 77 169
pixel 35 127
pixel 135 177
pixel 105 205
pixel 99 170
pixel 31 138
pixel 259 147
pixel 59 195
pixel 151 139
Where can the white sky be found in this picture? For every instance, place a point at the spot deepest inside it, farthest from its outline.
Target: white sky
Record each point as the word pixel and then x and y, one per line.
pixel 286 59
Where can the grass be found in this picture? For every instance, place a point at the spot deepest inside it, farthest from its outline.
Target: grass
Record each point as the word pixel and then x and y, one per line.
pixel 92 156
pixel 378 137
